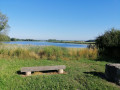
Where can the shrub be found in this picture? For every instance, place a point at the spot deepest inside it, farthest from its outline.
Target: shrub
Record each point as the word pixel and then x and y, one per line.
pixel 109 43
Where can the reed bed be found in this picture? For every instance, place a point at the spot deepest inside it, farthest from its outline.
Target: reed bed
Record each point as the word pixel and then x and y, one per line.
pixel 46 52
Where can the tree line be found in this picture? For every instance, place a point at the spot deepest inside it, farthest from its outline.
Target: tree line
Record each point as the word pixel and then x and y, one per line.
pixel 16 39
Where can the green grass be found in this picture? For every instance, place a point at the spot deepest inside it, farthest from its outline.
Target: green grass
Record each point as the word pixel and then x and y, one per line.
pixel 81 75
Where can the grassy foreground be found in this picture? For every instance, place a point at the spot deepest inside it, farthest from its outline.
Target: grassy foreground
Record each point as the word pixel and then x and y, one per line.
pixel 81 75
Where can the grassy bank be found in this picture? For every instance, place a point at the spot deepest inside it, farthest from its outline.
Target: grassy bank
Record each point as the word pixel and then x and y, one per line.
pixel 81 75
pixel 46 52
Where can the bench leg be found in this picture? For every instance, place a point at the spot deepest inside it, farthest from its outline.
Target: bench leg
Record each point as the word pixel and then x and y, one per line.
pixel 60 71
pixel 28 73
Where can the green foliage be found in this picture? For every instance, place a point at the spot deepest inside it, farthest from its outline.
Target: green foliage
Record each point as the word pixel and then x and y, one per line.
pixel 90 41
pixel 16 39
pixel 109 43
pixel 13 39
pixel 4 37
pixel 3 27
pixel 109 39
pixel 52 40
pixel 3 21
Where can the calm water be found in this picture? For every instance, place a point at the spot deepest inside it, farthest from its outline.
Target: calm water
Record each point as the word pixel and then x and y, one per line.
pixel 48 44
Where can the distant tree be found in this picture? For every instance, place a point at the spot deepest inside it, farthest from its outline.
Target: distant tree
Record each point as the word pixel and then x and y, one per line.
pixel 13 39
pixel 51 40
pixel 90 41
pixel 3 27
pixel 109 43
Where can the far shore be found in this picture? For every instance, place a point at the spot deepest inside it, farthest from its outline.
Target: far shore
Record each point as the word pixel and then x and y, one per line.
pixel 73 42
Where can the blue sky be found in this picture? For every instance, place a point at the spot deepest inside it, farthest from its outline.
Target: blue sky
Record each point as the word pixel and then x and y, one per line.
pixel 61 19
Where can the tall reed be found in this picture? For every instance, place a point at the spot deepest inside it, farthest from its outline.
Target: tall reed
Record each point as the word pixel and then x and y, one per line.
pixel 46 52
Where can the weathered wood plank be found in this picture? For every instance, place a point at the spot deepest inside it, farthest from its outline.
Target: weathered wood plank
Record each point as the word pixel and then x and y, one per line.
pixel 42 68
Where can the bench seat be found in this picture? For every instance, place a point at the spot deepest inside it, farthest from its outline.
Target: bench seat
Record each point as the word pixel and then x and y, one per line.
pixel 28 70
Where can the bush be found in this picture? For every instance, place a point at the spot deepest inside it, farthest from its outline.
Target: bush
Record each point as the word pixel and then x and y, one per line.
pixel 109 43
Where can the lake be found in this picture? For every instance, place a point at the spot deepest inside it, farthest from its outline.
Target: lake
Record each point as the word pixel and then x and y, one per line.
pixel 68 45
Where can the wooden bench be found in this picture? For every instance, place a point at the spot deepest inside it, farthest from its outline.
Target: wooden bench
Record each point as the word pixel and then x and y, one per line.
pixel 28 70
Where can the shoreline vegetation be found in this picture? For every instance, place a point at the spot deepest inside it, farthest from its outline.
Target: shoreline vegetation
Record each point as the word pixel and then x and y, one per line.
pixel 57 41
pixel 73 42
pixel 46 52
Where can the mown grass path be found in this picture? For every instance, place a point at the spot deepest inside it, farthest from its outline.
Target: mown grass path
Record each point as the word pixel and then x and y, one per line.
pixel 81 75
